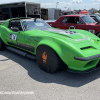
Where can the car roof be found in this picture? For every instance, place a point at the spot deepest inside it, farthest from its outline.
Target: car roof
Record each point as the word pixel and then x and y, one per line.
pixel 78 15
pixel 93 15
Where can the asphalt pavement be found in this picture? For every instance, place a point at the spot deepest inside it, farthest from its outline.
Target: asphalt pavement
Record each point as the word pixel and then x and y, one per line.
pixel 19 74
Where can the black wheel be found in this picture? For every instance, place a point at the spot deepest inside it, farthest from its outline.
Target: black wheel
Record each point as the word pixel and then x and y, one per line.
pixel 98 35
pixel 2 45
pixel 48 60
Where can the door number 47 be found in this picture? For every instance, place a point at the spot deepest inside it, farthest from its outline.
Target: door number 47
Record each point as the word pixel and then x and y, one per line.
pixel 13 36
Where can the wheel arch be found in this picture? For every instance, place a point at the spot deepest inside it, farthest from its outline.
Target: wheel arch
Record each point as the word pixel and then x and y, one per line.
pixel 56 48
pixel 53 46
pixel 97 33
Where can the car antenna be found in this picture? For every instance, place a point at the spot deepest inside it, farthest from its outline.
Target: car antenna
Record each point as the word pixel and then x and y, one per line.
pixel 35 19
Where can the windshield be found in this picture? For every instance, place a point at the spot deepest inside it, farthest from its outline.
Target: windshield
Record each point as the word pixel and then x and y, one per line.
pixel 88 19
pixel 97 17
pixel 29 24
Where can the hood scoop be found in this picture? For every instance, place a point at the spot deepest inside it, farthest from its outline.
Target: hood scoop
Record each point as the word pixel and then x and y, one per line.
pixel 81 39
pixel 59 31
pixel 75 36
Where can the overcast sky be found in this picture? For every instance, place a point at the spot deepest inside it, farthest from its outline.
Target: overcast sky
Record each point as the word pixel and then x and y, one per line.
pixel 73 4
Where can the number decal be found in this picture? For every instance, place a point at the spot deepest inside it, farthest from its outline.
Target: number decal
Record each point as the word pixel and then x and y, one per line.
pixel 13 36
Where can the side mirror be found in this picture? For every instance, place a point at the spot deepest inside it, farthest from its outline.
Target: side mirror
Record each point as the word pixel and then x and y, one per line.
pixel 15 29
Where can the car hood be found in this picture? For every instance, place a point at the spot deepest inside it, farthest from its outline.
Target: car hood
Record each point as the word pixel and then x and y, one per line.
pixel 72 34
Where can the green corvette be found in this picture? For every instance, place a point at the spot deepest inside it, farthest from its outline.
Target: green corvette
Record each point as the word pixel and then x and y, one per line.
pixel 54 49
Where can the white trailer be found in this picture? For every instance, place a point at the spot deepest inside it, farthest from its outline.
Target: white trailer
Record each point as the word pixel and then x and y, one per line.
pixel 20 9
pixel 54 13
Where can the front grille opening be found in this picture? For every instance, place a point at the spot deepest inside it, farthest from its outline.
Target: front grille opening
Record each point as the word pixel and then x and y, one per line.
pixel 91 63
pixel 85 47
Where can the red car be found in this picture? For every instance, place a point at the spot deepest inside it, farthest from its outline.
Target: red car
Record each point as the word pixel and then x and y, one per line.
pixel 83 22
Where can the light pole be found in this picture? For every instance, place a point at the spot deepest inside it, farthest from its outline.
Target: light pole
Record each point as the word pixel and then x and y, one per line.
pixel 56 4
pixel 65 8
pixel 85 7
pixel 99 7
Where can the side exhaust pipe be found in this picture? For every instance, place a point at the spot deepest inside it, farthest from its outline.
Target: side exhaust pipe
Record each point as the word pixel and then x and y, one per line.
pixel 20 52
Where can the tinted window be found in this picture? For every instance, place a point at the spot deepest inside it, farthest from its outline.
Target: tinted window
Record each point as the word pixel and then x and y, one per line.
pixel 71 20
pixel 65 20
pixel 80 21
pixel 74 20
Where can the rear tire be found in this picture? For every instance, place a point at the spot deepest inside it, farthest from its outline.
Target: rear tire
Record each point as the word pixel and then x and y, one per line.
pixel 48 60
pixel 2 45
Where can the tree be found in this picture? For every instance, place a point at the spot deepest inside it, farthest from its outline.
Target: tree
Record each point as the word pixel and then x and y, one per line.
pixel 93 10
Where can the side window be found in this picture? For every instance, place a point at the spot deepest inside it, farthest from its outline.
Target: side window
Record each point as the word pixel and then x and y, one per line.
pixel 15 24
pixel 80 21
pixel 94 18
pixel 71 20
pixel 65 20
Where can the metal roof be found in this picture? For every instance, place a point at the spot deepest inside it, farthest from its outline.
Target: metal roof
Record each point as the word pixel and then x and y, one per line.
pixel 11 3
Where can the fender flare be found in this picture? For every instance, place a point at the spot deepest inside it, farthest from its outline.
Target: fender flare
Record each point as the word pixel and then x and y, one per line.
pixel 53 46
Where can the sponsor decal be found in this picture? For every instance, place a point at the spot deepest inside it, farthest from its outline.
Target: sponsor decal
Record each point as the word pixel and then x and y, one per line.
pixel 44 56
pixel 23 46
pixel 32 38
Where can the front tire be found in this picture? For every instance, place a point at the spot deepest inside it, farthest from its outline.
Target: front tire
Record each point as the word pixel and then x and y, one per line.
pixel 2 45
pixel 98 35
pixel 48 60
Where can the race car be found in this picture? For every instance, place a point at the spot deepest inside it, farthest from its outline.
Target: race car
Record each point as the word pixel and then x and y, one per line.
pixel 54 49
pixel 79 21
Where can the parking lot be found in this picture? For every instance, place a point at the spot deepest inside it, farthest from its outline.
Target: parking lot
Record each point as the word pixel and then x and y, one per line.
pixel 22 74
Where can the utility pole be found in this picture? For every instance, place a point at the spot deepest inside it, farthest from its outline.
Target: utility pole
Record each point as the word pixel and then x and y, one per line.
pixel 56 4
pixel 65 8
pixel 99 7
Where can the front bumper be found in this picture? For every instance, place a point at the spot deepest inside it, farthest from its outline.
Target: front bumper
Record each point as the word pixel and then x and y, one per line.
pixel 87 58
pixel 85 71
